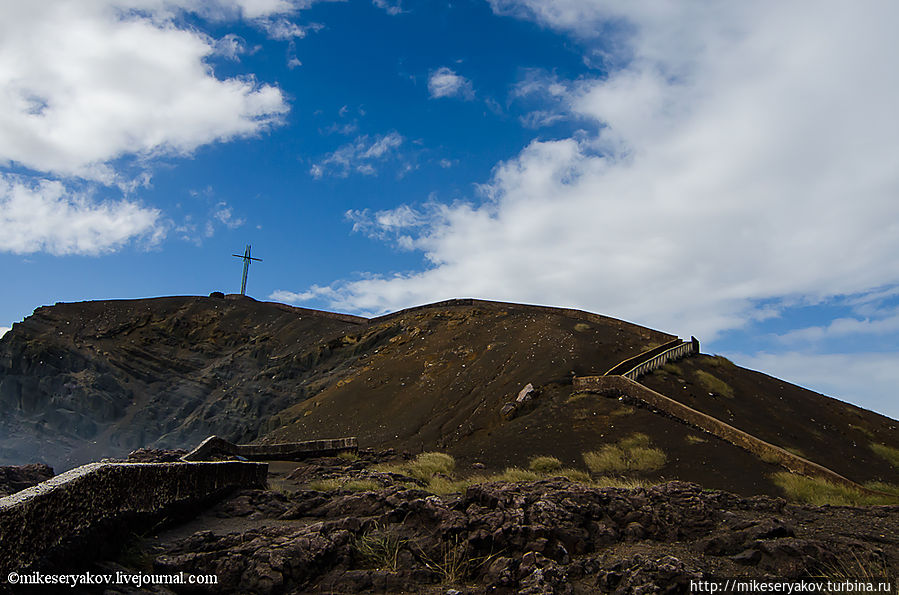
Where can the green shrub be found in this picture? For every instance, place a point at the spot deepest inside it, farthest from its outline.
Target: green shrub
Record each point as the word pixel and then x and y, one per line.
pixel 888 452
pixel 544 464
pixel 630 454
pixel 714 385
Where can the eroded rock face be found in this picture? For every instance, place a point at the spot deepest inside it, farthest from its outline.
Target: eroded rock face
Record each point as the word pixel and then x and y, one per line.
pixel 550 536
pixel 17 478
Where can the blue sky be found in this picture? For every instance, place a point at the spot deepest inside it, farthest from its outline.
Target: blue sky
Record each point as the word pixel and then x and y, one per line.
pixel 725 171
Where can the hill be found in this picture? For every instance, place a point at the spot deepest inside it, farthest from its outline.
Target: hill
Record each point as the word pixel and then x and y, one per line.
pixel 89 380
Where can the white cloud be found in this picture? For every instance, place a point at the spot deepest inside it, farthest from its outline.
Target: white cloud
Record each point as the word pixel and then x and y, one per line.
pixel 444 82
pixel 230 46
pixel 45 216
pixel 359 156
pixel 837 375
pixel 391 7
pixel 4 330
pixel 739 155
pixel 84 84
pixel 224 215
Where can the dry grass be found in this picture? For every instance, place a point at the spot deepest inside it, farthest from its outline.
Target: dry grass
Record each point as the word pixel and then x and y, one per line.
pixel 379 549
pixel 544 464
pixel 630 454
pixel 818 492
pixel 888 452
pixel 694 439
pixel 714 385
pixel 580 396
pixel 868 433
pixel 424 467
pixel 628 483
pixel 624 410
pixel 348 456
pixel 672 368
pixel 453 561
pixel 572 474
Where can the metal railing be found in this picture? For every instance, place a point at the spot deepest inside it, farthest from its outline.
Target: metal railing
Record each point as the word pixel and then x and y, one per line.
pixel 660 359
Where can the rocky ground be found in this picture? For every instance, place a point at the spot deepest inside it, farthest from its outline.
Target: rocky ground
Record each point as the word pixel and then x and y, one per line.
pixel 548 536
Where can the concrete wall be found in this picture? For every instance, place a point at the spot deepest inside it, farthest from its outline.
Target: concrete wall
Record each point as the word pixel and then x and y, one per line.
pixel 82 510
pixel 748 442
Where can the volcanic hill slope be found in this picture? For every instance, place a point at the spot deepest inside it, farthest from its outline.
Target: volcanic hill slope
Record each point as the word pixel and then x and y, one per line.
pixel 83 381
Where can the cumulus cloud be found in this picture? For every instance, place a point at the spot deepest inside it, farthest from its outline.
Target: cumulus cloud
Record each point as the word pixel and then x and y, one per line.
pixel 45 216
pixel 4 330
pixel 359 156
pixel 734 157
pixel 86 84
pixel 94 91
pixel 443 82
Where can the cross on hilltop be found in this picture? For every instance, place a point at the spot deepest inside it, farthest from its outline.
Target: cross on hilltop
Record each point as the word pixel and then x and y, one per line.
pixel 246 267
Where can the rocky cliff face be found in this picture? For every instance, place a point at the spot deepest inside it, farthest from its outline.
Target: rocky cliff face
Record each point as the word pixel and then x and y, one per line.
pixel 83 381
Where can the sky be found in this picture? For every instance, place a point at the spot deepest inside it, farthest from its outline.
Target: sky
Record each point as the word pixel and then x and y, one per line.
pixel 724 170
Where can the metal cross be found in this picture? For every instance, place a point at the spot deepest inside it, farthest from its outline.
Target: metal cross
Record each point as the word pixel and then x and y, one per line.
pixel 246 267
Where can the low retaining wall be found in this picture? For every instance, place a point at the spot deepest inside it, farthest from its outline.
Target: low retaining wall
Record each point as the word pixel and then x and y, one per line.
pixel 77 513
pixel 714 426
pixel 287 451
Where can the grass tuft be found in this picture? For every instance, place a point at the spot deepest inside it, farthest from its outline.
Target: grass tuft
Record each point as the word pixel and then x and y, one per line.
pixel 868 433
pixel 544 464
pixel 379 549
pixel 714 385
pixel 694 439
pixel 818 492
pixel 623 410
pixel 672 369
pixel 571 474
pixel 423 467
pixel 628 483
pixel 348 456
pixel 630 454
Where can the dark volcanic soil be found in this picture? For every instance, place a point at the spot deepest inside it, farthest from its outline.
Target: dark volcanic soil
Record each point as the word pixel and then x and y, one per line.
pixel 80 382
pixel 550 536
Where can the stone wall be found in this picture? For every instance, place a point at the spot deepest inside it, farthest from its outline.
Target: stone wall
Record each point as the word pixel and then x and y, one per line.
pixel 97 505
pixel 214 446
pixel 716 427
